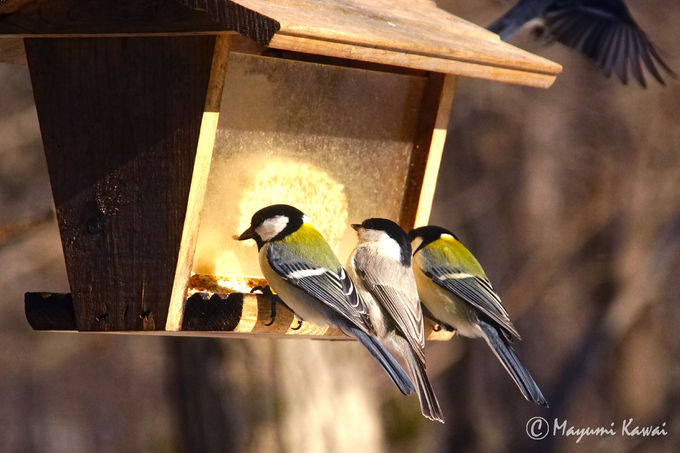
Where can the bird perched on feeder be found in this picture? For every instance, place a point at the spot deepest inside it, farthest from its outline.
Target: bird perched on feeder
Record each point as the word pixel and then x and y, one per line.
pixel 455 290
pixel 301 267
pixel 602 30
pixel 380 266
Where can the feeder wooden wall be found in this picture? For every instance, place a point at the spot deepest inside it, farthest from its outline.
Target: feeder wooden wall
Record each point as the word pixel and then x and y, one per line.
pixel 128 96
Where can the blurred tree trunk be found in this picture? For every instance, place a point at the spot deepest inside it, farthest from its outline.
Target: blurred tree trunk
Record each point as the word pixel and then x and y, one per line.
pixel 203 425
pixel 273 395
pixel 329 401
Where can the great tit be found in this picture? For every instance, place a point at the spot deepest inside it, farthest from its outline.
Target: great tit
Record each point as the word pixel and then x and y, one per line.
pixel 602 30
pixel 302 269
pixel 380 265
pixel 454 288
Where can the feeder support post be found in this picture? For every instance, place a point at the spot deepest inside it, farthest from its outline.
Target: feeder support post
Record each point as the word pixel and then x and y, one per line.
pixel 120 120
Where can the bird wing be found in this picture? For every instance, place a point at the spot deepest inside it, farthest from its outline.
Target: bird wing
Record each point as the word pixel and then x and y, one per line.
pixel 514 19
pixel 605 32
pixel 476 290
pixel 333 287
pixel 399 300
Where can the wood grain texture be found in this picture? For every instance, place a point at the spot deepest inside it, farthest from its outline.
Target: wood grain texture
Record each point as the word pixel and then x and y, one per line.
pixel 416 35
pixel 55 18
pixel 428 146
pixel 120 120
pixel 436 150
pixel 326 60
pixel 234 16
pixel 248 313
pixel 199 182
pixel 400 58
pixel 399 32
pixel 234 315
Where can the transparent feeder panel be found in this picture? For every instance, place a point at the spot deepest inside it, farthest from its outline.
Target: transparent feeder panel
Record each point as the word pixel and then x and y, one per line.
pixel 335 142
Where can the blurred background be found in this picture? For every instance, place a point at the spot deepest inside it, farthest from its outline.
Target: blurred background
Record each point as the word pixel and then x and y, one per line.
pixel 570 198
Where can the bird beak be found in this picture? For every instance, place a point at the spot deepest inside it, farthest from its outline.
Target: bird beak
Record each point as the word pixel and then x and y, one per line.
pixel 356 226
pixel 248 234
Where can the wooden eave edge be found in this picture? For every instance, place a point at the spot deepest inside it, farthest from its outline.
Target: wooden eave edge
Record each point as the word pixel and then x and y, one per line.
pixel 397 57
pixel 476 52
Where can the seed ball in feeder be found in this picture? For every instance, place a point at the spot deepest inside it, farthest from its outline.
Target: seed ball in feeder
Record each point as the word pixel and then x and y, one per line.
pixel 238 187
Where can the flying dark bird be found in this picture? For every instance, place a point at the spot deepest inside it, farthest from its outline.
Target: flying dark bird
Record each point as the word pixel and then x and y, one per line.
pixel 602 30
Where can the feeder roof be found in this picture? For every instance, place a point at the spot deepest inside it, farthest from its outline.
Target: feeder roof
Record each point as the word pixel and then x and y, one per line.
pixel 408 33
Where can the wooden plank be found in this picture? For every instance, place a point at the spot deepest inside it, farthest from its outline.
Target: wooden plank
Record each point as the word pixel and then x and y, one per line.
pixel 120 120
pixel 428 145
pixel 386 17
pixel 234 315
pixel 421 148
pixel 436 150
pixel 71 18
pixel 378 29
pixel 199 182
pixel 327 60
pixel 404 33
pixel 234 16
pixel 247 313
pixel 400 58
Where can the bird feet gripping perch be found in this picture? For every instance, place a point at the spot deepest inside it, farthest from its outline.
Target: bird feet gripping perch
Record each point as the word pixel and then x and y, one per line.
pixel 299 326
pixel 267 291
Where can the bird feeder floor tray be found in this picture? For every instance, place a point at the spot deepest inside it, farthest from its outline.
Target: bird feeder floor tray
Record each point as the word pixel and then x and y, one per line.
pixel 213 309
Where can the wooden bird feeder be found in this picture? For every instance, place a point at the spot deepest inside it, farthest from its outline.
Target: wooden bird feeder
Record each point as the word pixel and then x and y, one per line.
pixel 157 113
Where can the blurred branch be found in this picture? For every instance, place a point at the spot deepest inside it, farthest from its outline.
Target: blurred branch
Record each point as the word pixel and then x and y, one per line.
pixel 12 230
pixel 561 245
pixel 607 331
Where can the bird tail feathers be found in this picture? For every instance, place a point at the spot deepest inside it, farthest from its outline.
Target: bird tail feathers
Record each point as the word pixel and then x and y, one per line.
pixel 429 405
pixel 384 358
pixel 503 350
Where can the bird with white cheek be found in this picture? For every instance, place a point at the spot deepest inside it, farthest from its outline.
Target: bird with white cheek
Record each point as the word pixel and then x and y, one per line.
pixel 301 267
pixel 455 290
pixel 380 266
